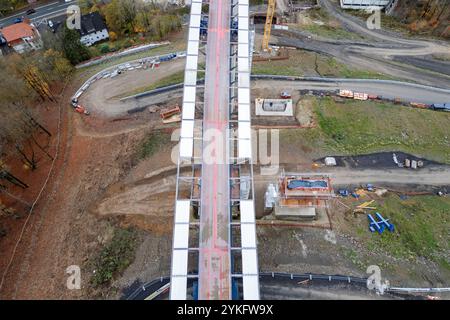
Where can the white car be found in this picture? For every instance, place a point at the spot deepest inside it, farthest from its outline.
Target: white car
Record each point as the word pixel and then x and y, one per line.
pixel 67 0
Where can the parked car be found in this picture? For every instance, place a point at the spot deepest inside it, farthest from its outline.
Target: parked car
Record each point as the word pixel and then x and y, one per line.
pixel 30 11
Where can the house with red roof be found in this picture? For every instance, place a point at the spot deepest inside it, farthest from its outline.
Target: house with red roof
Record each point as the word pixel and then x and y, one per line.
pixel 22 37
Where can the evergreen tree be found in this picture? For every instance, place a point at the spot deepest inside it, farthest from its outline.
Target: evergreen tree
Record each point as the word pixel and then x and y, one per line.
pixel 74 51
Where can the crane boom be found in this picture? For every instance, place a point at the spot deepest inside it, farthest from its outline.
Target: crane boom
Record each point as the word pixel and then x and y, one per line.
pixel 268 24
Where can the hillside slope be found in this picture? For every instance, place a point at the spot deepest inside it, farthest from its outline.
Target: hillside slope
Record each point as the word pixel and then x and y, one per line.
pixel 425 16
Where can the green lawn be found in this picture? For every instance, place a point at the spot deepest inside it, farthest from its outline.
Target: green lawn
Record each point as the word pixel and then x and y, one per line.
pixel 421 229
pixel 330 32
pixel 304 63
pixel 356 127
pixel 166 81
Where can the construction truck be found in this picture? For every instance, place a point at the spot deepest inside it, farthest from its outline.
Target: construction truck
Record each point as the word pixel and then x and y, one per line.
pixel 78 107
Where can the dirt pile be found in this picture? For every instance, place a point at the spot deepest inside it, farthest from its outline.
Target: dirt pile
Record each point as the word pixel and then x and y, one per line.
pixel 425 16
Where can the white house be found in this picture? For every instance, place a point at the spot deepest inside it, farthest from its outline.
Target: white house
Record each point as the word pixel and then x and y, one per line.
pixel 364 4
pixel 93 29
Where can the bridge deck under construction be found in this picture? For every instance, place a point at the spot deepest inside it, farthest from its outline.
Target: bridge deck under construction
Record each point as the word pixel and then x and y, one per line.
pixel 215 139
pixel 214 249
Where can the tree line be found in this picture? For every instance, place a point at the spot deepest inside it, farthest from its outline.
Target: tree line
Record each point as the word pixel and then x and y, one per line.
pixel 127 17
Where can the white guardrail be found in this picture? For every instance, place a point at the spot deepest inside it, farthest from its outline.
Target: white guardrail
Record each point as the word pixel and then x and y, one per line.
pixel 112 71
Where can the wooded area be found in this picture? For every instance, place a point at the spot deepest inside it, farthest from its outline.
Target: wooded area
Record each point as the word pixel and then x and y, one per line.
pixel 126 17
pixel 426 16
pixel 27 86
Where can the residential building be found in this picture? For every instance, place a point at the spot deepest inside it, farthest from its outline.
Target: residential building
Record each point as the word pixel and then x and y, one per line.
pixel 22 37
pixel 364 4
pixel 93 29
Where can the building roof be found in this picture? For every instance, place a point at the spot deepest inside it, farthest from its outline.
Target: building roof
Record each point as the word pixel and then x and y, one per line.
pixel 17 31
pixel 91 23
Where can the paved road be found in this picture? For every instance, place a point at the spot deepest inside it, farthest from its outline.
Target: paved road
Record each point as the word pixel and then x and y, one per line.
pixel 100 94
pixel 345 176
pixel 403 91
pixel 384 51
pixel 50 10
pixel 214 248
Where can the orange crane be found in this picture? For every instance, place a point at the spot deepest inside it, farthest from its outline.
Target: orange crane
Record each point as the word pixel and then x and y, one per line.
pixel 268 25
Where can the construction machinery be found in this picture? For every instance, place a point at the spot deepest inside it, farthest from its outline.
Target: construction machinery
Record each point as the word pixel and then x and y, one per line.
pixel 78 107
pixel 170 112
pixel 268 25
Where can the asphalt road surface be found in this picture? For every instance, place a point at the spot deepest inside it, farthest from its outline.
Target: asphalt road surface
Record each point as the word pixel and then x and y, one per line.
pixel 383 51
pixel 46 11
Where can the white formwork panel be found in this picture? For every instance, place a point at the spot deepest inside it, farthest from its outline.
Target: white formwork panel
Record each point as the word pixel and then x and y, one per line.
pixel 189 94
pixel 248 235
pixel 243 65
pixel 243 23
pixel 178 288
pixel 182 211
pixel 192 48
pixel 250 286
pixel 181 236
pixel 243 51
pixel 191 62
pixel 190 78
pixel 244 149
pixel 247 211
pixel 188 111
pixel 243 10
pixel 244 80
pixel 243 95
pixel 249 262
pixel 186 145
pixel 179 262
pixel 244 130
pixel 195 21
pixel 187 129
pixel 196 8
pixel 194 34
pixel 243 112
pixel 243 36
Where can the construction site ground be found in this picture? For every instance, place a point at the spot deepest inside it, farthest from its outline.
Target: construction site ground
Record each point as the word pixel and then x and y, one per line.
pixel 102 182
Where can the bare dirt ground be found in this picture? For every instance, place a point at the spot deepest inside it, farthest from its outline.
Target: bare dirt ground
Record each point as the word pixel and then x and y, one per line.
pixel 95 153
pixel 99 184
pixel 102 98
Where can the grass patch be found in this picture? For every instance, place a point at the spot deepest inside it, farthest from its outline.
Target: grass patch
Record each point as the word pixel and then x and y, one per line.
pixel 114 257
pixel 331 32
pixel 304 63
pixel 174 78
pixel 356 127
pixel 422 225
pixel 177 43
pixel 153 143
pixel 319 22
